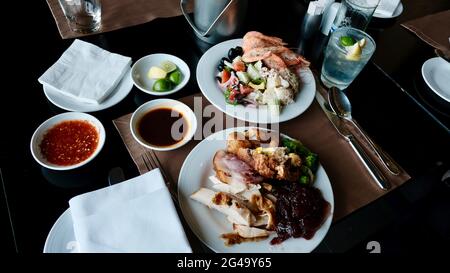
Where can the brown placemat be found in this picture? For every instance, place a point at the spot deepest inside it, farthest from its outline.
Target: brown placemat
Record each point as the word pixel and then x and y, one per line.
pixel 352 186
pixel 434 29
pixel 117 14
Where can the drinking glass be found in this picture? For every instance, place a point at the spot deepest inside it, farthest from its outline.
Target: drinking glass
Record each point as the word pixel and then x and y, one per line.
pixel 83 16
pixel 354 13
pixel 338 69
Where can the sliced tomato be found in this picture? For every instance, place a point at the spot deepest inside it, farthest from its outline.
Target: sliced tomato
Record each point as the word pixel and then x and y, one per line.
pixel 245 89
pixel 225 75
pixel 239 66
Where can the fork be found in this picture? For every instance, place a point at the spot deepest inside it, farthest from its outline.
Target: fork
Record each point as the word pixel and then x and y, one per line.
pixel 152 162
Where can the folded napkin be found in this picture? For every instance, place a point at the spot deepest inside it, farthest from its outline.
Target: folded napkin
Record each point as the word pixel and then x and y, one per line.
pixel 387 7
pixel 433 29
pixel 86 72
pixel 137 215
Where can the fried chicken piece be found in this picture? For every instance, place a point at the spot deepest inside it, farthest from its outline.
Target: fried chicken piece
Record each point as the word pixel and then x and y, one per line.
pixel 271 162
pixel 236 141
pixel 274 163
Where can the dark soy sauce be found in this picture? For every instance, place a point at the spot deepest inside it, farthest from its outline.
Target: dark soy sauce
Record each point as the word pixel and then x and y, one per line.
pixel 163 127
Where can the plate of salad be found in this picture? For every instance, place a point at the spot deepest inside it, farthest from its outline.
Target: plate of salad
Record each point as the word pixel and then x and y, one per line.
pixel 256 79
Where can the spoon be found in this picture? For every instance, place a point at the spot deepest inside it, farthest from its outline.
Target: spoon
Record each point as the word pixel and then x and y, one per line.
pixel 340 104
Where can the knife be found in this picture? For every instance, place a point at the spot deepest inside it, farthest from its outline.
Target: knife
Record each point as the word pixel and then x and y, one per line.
pixel 339 125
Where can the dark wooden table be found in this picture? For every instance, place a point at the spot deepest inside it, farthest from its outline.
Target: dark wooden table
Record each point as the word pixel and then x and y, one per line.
pixel 414 216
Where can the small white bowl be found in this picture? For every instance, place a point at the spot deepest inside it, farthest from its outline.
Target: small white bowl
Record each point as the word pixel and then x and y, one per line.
pixel 163 103
pixel 38 135
pixel 142 66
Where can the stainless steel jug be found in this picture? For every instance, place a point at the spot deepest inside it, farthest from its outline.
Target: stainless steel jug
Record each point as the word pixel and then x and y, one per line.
pixel 216 20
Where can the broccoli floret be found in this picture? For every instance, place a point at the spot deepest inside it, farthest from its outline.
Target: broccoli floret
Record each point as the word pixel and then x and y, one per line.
pixel 289 144
pixel 304 180
pixel 306 176
pixel 294 146
pixel 304 170
pixel 312 161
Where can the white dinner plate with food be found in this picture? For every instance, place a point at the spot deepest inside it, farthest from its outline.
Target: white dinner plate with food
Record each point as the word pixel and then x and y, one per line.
pixel 436 73
pixel 206 78
pixel 209 224
pixel 70 104
pixel 398 10
pixel 61 238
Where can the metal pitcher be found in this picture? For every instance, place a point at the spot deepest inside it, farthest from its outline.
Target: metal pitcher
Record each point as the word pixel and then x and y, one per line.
pixel 216 20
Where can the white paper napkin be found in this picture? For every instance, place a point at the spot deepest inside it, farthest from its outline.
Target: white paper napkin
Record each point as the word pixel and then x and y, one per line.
pixel 387 7
pixel 86 72
pixel 137 215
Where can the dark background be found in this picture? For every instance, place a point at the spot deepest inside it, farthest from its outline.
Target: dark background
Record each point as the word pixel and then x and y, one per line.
pixel 413 218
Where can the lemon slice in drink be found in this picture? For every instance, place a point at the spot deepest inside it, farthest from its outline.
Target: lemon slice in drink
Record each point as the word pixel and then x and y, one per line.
pixel 156 73
pixel 354 52
pixel 168 66
pixel 362 42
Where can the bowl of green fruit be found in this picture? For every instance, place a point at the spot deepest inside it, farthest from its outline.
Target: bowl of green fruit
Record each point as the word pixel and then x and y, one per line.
pixel 160 74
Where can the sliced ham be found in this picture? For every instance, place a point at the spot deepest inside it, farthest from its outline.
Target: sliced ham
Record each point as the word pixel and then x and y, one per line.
pixel 231 170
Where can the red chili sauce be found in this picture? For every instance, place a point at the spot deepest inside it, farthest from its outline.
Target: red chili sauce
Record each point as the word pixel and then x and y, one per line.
pixel 69 142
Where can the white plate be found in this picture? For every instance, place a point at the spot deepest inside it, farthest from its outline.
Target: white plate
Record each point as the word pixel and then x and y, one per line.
pixel 436 73
pixel 61 238
pixel 142 66
pixel 396 13
pixel 206 79
pixel 209 224
pixel 67 103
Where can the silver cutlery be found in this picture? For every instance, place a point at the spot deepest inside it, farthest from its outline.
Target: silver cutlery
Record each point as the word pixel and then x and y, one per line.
pixel 338 124
pixel 340 104
pixel 152 162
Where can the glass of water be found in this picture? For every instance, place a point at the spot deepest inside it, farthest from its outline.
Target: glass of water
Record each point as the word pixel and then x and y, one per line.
pixel 343 61
pixel 354 13
pixel 83 16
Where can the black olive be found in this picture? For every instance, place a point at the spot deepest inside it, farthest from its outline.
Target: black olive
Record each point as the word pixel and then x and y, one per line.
pixel 220 66
pixel 232 54
pixel 239 51
pixel 225 59
pixel 218 78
